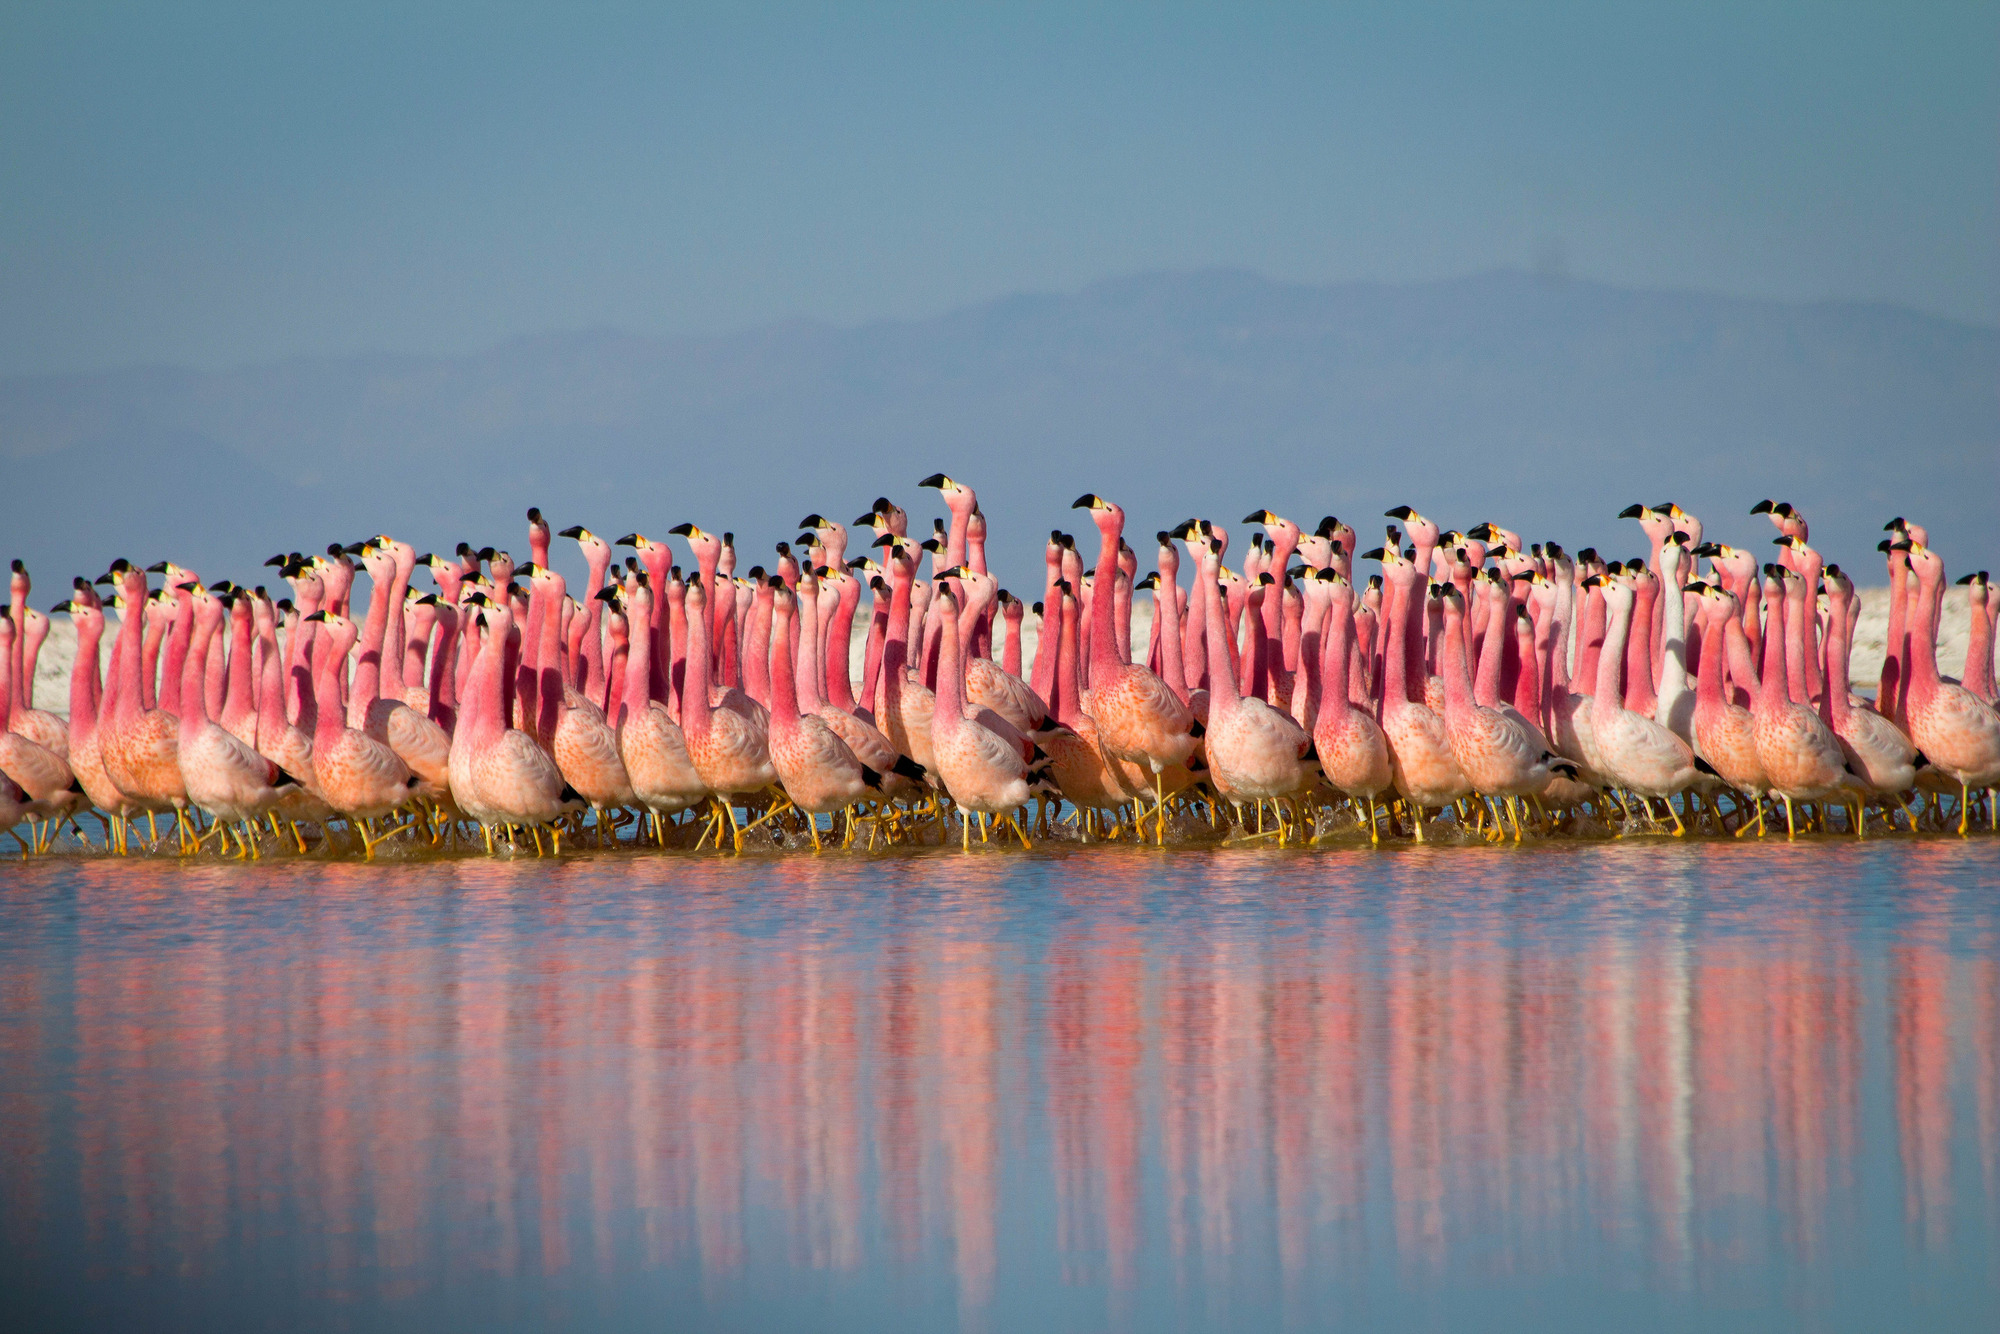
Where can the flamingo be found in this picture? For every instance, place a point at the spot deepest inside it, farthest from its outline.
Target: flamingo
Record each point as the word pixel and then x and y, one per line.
pixel 1874 747
pixel 1957 732
pixel 225 776
pixel 357 775
pixel 1494 748
pixel 1420 758
pixel 1796 749
pixel 139 744
pixel 651 744
pixel 981 770
pixel 1640 754
pixel 1724 733
pixel 86 696
pixel 729 750
pixel 500 776
pixel 1353 754
pixel 39 726
pixel 1138 718
pixel 819 772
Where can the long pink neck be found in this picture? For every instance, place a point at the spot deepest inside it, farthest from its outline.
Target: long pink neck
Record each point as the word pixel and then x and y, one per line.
pixel 84 692
pixel 1608 697
pixel 784 687
pixel 948 714
pixel 1063 640
pixel 1978 675
pixel 1834 706
pixel 1797 686
pixel 591 669
pixel 839 638
pixel 757 649
pixel 1771 691
pixel 548 664
pixel 194 712
pixel 366 686
pixel 271 720
pixel 1889 694
pixel 1493 649
pixel 694 689
pixel 241 701
pixel 1336 633
pixel 1222 694
pixel 1592 639
pixel 1527 676
pixel 327 667
pixel 179 643
pixel 444 683
pixel 394 641
pixel 1923 669
pixel 1708 677
pixel 638 659
pixel 1104 660
pixel 1639 697
pixel 807 691
pixel 1458 695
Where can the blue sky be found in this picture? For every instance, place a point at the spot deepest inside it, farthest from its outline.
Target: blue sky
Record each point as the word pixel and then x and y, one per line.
pixel 213 184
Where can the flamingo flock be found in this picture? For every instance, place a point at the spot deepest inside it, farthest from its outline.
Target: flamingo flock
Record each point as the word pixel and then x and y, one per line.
pixel 1471 689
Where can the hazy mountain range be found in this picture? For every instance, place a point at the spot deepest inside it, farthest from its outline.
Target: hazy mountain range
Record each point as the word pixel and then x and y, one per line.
pixel 1544 406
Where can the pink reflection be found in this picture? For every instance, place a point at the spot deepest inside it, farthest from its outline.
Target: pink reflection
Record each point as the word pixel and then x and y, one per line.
pixel 813 1077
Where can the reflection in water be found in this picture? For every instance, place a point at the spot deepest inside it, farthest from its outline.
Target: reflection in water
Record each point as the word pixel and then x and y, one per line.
pixel 1249 1080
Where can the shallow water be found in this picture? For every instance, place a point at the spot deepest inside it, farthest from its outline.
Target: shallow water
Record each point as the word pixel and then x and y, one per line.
pixel 1641 1085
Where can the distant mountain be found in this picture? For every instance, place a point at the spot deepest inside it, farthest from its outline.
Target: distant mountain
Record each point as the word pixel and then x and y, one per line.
pixel 1546 407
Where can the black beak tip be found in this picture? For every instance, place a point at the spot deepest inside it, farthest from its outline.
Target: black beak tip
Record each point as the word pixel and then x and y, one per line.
pixel 935 480
pixel 1761 507
pixel 1631 511
pixel 575 530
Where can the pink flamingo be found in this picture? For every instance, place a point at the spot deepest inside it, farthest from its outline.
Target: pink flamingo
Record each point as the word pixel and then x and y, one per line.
pixel 85 700
pixel 1725 735
pixel 225 777
pixel 818 771
pixel 983 772
pixel 357 775
pixel 140 745
pixel 41 727
pixel 1797 750
pixel 1420 757
pixel 730 751
pixel 663 777
pixel 1138 718
pixel 1494 749
pixel 1638 753
pixel 1873 746
pixel 1353 755
pixel 1958 733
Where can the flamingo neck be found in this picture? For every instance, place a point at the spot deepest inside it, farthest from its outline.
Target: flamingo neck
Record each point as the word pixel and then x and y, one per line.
pixel 949 711
pixel 1104 607
pixel 83 680
pixel 1222 695
pixel 1772 690
pixel 1452 667
pixel 1608 697
pixel 694 688
pixel 839 639
pixel 783 689
pixel 1063 647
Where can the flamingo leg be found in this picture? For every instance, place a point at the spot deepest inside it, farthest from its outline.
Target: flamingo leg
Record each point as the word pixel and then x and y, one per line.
pixel 1022 833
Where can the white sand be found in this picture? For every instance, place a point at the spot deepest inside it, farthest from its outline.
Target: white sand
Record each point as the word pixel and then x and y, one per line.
pixel 1871 636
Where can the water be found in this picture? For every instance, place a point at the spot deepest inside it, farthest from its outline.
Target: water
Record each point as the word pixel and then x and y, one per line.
pixel 1636 1085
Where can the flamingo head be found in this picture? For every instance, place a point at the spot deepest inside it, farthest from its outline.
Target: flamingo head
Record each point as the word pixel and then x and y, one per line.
pixel 17 580
pixel 958 497
pixel 1109 518
pixel 1421 530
